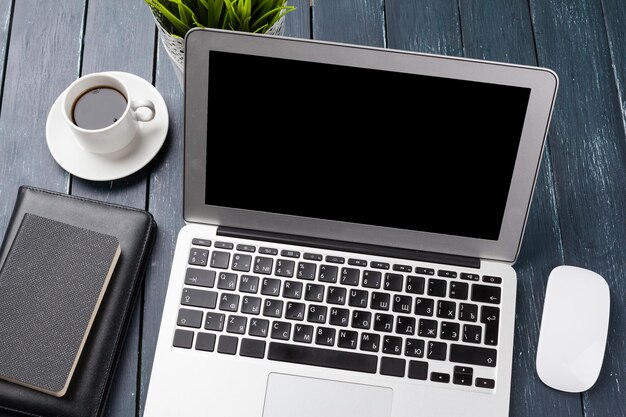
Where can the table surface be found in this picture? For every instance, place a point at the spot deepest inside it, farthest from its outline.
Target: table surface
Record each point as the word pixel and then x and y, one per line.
pixel 579 207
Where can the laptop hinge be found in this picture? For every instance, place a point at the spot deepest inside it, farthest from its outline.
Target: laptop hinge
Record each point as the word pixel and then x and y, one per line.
pixel 315 242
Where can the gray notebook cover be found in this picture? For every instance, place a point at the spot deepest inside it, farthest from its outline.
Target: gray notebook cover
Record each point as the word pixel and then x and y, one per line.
pixel 51 285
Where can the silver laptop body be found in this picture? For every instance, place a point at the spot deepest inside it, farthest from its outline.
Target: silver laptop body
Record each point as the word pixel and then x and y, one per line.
pixel 352 215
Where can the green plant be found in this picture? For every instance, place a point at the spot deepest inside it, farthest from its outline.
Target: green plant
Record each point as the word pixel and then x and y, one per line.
pixel 179 16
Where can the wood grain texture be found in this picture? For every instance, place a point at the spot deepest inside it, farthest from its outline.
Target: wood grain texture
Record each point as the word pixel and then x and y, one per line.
pixel 166 205
pixel 42 60
pixel 360 22
pixel 6 9
pixel 430 26
pixel 588 146
pixel 298 22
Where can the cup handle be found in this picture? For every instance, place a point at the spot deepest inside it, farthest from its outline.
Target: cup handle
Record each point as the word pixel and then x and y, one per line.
pixel 147 104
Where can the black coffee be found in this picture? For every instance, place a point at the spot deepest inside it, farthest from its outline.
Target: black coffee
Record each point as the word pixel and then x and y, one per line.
pixel 98 108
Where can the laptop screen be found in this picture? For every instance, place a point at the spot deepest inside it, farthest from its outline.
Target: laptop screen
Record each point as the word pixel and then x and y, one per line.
pixel 361 145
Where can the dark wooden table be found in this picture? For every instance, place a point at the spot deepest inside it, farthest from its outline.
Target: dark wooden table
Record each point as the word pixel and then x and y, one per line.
pixel 579 209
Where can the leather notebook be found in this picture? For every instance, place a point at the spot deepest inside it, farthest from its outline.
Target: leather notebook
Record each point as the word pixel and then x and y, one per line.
pixel 89 383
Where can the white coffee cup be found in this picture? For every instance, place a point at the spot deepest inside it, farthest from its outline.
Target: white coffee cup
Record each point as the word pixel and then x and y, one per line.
pixel 123 128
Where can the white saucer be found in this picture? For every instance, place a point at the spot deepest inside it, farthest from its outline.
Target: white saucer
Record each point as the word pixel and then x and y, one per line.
pixel 106 167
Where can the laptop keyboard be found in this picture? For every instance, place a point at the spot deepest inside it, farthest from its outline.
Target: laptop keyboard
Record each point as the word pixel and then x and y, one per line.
pixel 387 316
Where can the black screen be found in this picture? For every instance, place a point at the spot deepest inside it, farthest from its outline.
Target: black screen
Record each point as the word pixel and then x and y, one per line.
pixel 360 145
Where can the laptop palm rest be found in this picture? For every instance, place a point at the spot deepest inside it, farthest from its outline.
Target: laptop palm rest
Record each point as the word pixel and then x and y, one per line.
pixel 289 395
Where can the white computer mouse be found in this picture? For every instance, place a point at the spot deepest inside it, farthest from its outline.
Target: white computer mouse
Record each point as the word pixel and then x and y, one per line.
pixel 574 328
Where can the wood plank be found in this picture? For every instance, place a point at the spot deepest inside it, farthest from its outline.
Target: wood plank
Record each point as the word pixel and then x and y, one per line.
pixel 298 22
pixel 42 60
pixel 6 9
pixel 350 21
pixel 615 21
pixel 430 26
pixel 588 148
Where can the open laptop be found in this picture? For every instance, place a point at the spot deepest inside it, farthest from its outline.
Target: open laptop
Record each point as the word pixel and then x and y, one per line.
pixel 352 217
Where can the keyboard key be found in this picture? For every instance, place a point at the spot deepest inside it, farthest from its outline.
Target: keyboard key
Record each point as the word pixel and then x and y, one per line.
pixel 349 276
pixel 370 342
pixel 472 334
pixel 336 295
pixel 285 268
pixel 201 242
pixel 258 327
pixel 252 348
pixel 281 330
pixel 295 311
pixel 198 298
pixel 236 324
pixel 229 302
pixel 292 289
pixel 224 245
pixel 485 383
pixel 414 348
pixel 473 355
pixel 189 318
pixel 317 313
pixel 392 345
pixel 469 277
pixel 268 251
pixel 263 265
pixel 486 293
pixel 329 358
pixel 306 270
pixel 492 280
pixel 312 256
pixel 490 316
pixel 402 304
pixel 251 305
pixel 270 286
pixel 220 259
pixel 459 290
pixel 347 339
pixel 462 375
pixel 241 262
pixel 226 281
pixel 214 321
pixel 449 330
pixel 303 333
pixel 358 298
pixel 446 309
pixel 200 277
pixel 380 301
pixel 437 351
pixel 183 338
pixel 436 287
pixel 392 366
pixel 198 256
pixel 402 268
pixel 246 248
pixel 418 370
pixel 328 273
pixel 405 325
pixel 383 322
pixel 424 271
pixel 372 279
pixel 440 377
pixel 335 259
pixel 273 308
pixel 393 282
pixel 361 319
pixel 290 253
pixel 325 336
pixel 424 306
pixel 205 342
pixel 446 274
pixel 339 316
pixel 249 284
pixel 357 262
pixel 427 328
pixel 314 292
pixel 379 265
pixel 415 285
pixel 468 312
pixel 227 344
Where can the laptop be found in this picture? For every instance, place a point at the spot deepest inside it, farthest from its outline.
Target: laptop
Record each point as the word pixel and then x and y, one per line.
pixel 352 218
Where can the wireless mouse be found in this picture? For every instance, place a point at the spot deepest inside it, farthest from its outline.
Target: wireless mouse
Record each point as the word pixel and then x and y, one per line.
pixel 574 328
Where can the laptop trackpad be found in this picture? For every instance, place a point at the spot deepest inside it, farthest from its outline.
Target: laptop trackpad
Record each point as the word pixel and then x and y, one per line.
pixel 289 396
